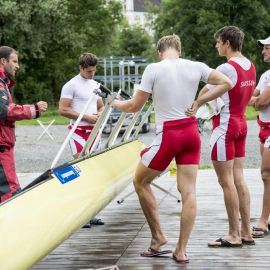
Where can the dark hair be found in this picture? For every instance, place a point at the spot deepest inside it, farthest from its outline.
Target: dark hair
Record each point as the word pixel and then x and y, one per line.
pixel 88 60
pixel 6 51
pixel 233 34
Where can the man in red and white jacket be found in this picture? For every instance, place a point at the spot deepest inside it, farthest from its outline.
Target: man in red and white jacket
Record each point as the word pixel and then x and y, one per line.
pixel 9 113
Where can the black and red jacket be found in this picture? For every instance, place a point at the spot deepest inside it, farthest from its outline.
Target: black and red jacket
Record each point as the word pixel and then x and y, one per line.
pixel 10 112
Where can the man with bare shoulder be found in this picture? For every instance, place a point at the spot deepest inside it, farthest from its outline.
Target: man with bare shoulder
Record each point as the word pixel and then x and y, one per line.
pixel 174 83
pixel 229 136
pixel 260 102
pixel 74 96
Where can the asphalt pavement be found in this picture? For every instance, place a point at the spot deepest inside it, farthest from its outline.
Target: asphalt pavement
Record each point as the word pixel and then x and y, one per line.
pixel 33 156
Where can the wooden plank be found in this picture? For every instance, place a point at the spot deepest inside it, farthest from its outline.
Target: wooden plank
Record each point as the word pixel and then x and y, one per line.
pixel 126 232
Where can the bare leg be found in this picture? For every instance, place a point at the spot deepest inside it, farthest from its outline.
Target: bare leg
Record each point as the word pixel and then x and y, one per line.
pixel 186 179
pixel 143 178
pixel 224 170
pixel 76 155
pixel 265 171
pixel 244 197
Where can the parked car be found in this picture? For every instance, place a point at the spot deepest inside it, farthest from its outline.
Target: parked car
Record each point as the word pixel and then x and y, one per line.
pixel 115 115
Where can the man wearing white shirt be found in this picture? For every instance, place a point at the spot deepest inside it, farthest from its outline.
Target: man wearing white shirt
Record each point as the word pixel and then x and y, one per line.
pixel 260 102
pixel 229 136
pixel 174 83
pixel 74 96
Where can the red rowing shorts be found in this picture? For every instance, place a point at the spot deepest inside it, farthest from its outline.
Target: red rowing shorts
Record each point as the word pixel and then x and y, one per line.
pixel 179 139
pixel 264 134
pixel 79 139
pixel 228 139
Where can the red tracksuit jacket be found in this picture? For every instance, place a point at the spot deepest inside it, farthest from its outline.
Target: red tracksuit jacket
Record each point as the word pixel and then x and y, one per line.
pixel 10 112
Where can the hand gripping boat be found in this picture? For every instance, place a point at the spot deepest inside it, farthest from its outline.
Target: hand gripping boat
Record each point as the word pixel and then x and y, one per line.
pixel 64 198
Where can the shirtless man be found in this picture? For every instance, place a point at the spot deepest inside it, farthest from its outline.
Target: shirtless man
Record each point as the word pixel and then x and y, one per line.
pixel 260 102
pixel 229 136
pixel 174 83
pixel 74 96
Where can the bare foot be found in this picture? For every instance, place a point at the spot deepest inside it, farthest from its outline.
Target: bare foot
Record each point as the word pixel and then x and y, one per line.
pixel 230 239
pixel 180 255
pixel 246 236
pixel 263 224
pixel 156 244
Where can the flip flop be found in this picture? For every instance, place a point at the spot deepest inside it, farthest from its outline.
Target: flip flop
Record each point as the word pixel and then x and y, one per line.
pixel 155 252
pixel 246 242
pixel 265 232
pixel 225 244
pixel 95 221
pixel 181 261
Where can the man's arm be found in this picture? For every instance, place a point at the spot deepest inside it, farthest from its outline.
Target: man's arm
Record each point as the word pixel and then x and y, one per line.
pixel 223 85
pixel 13 112
pixel 133 105
pixel 203 91
pixel 66 111
pixel 260 101
pixel 100 107
pixel 256 93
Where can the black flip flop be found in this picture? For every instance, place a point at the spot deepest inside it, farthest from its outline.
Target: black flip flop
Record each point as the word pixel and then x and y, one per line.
pixel 265 232
pixel 246 242
pixel 95 221
pixel 225 244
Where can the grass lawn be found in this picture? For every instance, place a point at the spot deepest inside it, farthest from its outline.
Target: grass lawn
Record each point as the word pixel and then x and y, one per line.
pixel 53 113
pixel 46 118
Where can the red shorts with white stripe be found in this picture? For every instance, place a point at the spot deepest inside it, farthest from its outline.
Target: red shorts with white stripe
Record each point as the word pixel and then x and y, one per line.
pixel 79 139
pixel 179 139
pixel 228 139
pixel 264 134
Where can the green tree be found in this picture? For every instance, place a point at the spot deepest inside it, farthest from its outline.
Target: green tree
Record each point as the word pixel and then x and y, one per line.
pixel 50 35
pixel 132 40
pixel 196 21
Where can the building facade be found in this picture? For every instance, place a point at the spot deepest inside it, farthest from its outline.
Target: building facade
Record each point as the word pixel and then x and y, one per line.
pixel 135 11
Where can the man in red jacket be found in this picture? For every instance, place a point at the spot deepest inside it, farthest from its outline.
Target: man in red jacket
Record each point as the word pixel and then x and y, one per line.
pixel 9 113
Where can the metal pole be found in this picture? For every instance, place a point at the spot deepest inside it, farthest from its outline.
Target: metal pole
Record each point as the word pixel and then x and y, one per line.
pixel 143 120
pixel 130 127
pixel 136 72
pixel 105 73
pixel 111 74
pixel 129 76
pixel 102 119
pixel 73 129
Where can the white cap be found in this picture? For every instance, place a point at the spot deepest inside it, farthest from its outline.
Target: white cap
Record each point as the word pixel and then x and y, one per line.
pixel 263 42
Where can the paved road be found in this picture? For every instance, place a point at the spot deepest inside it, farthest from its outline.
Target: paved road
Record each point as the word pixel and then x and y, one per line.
pixel 36 156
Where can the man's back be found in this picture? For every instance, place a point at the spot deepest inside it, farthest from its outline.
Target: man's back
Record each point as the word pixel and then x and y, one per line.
pixel 175 83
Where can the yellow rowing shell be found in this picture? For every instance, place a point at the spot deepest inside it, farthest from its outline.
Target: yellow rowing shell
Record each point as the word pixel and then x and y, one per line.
pixel 39 219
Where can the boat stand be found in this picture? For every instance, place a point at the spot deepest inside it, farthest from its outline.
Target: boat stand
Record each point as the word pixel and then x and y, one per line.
pixel 155 185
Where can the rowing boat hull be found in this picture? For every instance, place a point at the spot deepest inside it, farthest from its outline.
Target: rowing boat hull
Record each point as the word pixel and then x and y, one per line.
pixel 38 220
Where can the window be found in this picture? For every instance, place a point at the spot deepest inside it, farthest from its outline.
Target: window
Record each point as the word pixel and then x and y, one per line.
pixel 137 18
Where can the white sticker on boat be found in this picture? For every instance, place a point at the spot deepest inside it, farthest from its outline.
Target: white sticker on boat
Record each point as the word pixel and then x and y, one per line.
pixel 77 168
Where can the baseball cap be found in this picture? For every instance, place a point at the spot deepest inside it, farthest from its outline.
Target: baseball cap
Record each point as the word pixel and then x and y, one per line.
pixel 263 42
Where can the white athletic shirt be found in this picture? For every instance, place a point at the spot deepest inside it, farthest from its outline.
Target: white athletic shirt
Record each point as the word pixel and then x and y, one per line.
pixel 174 84
pixel 230 71
pixel 263 83
pixel 79 90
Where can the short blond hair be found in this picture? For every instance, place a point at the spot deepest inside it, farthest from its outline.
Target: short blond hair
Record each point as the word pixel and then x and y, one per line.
pixel 169 42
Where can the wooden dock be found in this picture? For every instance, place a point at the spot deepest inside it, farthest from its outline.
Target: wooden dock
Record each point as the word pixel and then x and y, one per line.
pixel 126 232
